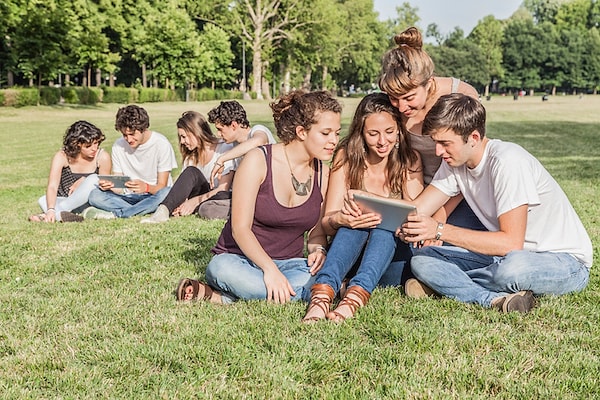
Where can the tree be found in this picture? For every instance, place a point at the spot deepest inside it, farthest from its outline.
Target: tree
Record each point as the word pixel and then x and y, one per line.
pixel 488 35
pixel 406 16
pixel 40 40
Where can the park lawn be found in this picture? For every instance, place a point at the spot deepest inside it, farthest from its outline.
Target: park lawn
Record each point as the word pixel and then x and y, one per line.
pixel 87 310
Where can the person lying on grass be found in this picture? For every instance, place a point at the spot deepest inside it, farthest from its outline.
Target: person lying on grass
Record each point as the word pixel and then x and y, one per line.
pixel 277 197
pixel 73 174
pixel 535 243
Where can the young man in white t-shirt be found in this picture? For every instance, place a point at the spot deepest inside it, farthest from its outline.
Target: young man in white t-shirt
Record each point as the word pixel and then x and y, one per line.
pixel 535 244
pixel 230 120
pixel 147 157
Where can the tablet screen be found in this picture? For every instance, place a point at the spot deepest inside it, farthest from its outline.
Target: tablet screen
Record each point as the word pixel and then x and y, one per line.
pixel 393 214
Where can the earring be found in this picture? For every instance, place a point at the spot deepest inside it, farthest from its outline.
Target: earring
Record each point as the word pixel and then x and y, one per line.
pixel 397 144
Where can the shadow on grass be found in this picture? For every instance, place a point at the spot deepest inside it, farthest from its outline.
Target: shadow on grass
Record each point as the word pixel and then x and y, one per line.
pixel 198 252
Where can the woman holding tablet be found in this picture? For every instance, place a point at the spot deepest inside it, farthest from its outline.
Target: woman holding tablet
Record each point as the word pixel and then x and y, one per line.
pixel 375 158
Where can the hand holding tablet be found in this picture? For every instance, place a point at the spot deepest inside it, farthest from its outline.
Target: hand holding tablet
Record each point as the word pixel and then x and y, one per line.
pixel 117 180
pixel 393 214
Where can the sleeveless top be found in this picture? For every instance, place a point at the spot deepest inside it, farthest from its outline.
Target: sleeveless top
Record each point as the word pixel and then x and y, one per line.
pixel 68 178
pixel 426 147
pixel 279 229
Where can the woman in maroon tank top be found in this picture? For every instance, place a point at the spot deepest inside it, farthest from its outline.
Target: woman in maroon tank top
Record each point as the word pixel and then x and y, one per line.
pixel 277 198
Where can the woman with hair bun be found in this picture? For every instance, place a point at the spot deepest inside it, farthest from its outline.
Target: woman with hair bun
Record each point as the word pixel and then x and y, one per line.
pixel 277 198
pixel 73 174
pixel 408 78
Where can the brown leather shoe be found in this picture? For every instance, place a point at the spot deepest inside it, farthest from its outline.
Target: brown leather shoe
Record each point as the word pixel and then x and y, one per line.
pixel 355 298
pixel 522 302
pixel 416 289
pixel 321 296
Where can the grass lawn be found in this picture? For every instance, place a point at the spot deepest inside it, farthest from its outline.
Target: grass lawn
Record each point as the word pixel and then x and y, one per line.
pixel 87 311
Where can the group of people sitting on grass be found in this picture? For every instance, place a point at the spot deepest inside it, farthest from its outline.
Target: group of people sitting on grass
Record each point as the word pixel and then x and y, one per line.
pixel 492 226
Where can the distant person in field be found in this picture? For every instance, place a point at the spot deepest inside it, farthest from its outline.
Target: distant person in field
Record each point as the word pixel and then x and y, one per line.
pixel 535 243
pixel 192 192
pixel 409 80
pixel 230 120
pixel 146 157
pixel 277 201
pixel 73 174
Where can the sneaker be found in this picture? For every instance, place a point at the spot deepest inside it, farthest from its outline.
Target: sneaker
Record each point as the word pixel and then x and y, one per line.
pixel 67 216
pixel 417 290
pixel 96 213
pixel 160 215
pixel 522 302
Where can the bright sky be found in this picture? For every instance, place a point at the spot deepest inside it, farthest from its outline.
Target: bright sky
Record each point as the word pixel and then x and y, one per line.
pixel 448 14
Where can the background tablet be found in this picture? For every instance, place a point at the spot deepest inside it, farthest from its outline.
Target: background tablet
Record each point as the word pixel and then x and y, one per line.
pixel 117 180
pixel 393 214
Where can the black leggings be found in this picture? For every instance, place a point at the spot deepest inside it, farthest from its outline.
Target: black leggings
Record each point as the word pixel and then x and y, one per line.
pixel 190 183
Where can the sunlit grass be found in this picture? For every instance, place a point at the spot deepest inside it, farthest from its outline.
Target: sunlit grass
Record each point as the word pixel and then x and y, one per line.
pixel 87 309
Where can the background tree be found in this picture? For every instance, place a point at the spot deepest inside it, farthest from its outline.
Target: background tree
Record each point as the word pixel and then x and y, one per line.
pixel 487 35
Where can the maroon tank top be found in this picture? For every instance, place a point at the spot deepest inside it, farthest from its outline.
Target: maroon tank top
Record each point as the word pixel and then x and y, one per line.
pixel 280 230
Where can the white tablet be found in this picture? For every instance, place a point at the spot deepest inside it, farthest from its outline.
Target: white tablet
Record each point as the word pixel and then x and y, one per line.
pixel 117 180
pixel 393 214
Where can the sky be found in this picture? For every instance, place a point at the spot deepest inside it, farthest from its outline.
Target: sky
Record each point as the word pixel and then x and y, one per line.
pixel 448 14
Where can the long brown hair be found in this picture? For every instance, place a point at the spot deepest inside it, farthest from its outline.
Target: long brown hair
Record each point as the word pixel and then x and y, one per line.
pixel 194 123
pixel 355 149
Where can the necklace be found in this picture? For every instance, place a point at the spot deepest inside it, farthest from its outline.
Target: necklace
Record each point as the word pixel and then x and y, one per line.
pixel 300 188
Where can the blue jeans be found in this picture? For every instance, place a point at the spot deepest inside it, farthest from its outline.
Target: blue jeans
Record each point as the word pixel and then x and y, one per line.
pixel 127 205
pixel 464 217
pixel 379 249
pixel 76 201
pixel 238 278
pixel 475 278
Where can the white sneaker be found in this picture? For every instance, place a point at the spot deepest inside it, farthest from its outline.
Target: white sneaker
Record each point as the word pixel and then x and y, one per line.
pixel 96 213
pixel 160 215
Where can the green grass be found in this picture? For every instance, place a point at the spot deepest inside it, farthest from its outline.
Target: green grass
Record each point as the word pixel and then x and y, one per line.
pixel 86 310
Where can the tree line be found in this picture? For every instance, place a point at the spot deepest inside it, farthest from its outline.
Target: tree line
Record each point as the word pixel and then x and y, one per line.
pixel 269 46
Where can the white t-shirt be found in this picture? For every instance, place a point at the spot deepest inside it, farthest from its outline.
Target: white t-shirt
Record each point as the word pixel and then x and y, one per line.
pixel 508 177
pixel 267 131
pixel 206 169
pixel 145 161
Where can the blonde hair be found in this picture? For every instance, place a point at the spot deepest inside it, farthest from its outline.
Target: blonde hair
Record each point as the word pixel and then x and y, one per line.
pixel 407 66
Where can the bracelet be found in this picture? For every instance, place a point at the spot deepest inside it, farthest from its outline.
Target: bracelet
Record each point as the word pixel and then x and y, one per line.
pixel 147 188
pixel 51 209
pixel 322 249
pixel 331 223
pixel 438 234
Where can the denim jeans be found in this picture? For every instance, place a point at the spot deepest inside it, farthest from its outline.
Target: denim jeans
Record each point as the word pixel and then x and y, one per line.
pixel 379 249
pixel 475 278
pixel 76 200
pixel 127 205
pixel 464 217
pixel 238 278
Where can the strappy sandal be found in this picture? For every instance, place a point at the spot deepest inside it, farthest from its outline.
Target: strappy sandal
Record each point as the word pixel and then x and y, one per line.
pixel 321 296
pixel 355 298
pixel 185 283
pixel 37 217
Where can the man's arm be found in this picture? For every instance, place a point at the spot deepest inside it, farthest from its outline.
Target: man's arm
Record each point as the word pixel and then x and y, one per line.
pixel 510 236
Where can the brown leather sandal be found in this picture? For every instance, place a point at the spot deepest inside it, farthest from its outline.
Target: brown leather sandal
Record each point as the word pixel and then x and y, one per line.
pixel 185 283
pixel 321 296
pixel 355 298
